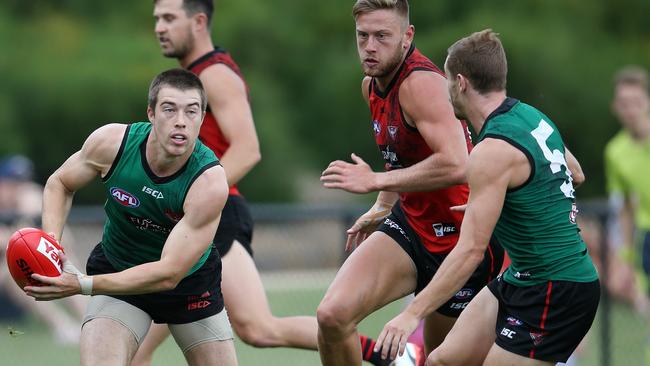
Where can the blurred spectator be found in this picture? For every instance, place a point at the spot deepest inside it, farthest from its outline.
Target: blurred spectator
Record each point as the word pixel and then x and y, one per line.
pixel 20 206
pixel 627 158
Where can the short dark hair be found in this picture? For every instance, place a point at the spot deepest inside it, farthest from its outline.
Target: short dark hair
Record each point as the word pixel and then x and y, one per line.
pixel 176 78
pixel 480 57
pixel 632 75
pixel 192 7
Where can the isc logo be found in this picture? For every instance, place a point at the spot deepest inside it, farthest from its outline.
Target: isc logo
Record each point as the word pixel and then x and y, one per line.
pixel 124 198
pixel 508 333
pixel 198 305
pixel 152 192
pixel 49 251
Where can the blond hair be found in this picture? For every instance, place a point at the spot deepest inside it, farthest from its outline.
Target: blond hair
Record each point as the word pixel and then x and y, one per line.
pixel 367 6
pixel 480 57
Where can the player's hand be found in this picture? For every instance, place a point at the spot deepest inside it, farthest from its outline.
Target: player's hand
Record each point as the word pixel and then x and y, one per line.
pixel 355 177
pixel 366 225
pixel 392 339
pixel 67 284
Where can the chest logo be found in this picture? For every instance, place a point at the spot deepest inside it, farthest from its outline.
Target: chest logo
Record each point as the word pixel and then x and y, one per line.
pixel 376 127
pixel 152 192
pixel 392 131
pixel 124 198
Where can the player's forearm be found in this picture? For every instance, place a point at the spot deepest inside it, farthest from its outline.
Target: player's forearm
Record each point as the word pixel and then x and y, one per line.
pixel 428 175
pixel 238 160
pixel 454 272
pixel 57 201
pixel 141 279
pixel 386 199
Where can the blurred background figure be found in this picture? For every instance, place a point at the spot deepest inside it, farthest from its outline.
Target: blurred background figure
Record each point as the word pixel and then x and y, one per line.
pixel 627 158
pixel 20 206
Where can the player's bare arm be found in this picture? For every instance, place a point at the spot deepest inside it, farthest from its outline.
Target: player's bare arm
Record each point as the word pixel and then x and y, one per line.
pixel 574 166
pixel 94 158
pixel 228 101
pixel 186 243
pixel 425 101
pixel 369 221
pixel 494 166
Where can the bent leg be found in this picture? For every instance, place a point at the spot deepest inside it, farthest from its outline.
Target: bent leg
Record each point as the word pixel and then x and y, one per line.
pixel 436 328
pixel 111 332
pixel 155 337
pixel 207 341
pixel 500 357
pixel 474 327
pixel 376 273
pixel 249 310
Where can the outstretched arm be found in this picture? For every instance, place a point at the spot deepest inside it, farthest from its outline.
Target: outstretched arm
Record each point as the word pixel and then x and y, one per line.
pixel 189 239
pixel 494 167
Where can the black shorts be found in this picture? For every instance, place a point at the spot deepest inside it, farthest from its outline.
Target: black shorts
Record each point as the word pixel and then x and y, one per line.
pixel 396 226
pixel 546 321
pixel 236 224
pixel 197 296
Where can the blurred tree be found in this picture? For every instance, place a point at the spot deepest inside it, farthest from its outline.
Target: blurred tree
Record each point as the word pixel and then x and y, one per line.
pixel 74 65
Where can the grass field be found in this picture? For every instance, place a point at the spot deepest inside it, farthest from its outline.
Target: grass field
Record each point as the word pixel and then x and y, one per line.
pixel 36 346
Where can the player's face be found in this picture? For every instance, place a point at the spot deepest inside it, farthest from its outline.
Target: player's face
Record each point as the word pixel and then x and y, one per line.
pixel 176 120
pixel 382 41
pixel 454 94
pixel 631 104
pixel 173 28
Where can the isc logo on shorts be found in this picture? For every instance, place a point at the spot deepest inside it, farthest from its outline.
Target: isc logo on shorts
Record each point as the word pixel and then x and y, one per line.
pixel 124 198
pixel 442 229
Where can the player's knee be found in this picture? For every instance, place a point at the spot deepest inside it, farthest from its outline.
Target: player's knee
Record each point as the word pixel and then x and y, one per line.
pixel 254 334
pixel 332 317
pixel 436 359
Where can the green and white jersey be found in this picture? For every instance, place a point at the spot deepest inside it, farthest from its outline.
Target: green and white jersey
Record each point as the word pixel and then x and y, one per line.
pixel 142 208
pixel 537 226
pixel 626 164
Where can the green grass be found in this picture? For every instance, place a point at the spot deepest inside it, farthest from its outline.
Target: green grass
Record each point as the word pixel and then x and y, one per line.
pixel 36 346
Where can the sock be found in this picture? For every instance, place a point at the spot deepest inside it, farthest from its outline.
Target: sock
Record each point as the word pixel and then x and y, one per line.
pixel 368 351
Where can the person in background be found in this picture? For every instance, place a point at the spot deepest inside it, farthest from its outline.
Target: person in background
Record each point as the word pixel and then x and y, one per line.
pixel 627 158
pixel 20 206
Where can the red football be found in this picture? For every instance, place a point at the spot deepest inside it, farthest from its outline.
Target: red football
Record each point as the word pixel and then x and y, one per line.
pixel 32 251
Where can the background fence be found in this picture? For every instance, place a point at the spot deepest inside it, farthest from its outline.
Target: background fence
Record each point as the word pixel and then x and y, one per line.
pixel 298 249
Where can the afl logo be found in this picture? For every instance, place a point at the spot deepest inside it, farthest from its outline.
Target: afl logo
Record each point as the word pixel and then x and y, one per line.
pixel 465 293
pixel 376 127
pixel 124 198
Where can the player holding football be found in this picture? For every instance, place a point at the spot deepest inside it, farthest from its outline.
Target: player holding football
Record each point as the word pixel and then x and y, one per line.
pixel 183 30
pixel 156 261
pixel 410 229
pixel 521 188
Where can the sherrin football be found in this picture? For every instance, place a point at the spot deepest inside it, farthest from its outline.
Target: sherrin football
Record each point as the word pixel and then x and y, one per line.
pixel 30 251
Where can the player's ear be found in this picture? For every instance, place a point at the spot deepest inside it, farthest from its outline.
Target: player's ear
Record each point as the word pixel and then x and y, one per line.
pixel 150 114
pixel 408 36
pixel 199 21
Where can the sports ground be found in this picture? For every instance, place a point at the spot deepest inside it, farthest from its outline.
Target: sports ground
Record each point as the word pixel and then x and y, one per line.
pixel 35 346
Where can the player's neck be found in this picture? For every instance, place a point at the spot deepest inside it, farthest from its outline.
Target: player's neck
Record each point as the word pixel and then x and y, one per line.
pixel 202 45
pixel 162 163
pixel 482 106
pixel 384 81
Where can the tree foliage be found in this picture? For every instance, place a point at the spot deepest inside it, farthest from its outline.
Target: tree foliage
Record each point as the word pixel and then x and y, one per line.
pixel 71 66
